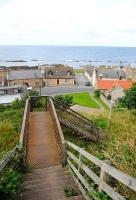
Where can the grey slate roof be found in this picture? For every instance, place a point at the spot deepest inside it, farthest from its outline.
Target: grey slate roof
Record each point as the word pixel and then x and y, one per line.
pixel 90 71
pixel 58 72
pixel 24 74
pixel 111 73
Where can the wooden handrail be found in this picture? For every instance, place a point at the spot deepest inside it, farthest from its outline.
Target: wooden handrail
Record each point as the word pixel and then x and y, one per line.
pixel 8 159
pixel 24 123
pixel 127 180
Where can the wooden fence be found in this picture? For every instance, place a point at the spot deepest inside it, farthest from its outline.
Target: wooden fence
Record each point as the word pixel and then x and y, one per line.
pixel 22 139
pixel 76 164
pixel 25 123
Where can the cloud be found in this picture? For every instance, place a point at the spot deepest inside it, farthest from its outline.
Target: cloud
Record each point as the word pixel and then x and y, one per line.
pixel 78 22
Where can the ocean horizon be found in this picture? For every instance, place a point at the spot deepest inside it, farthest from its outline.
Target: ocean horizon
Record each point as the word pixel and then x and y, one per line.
pixel 74 56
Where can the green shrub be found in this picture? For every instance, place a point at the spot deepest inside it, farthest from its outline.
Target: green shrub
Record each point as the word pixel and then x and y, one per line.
pixel 69 192
pixel 65 100
pixel 109 97
pixel 18 104
pixel 97 93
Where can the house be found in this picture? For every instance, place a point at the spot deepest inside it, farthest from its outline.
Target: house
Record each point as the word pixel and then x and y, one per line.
pixel 3 76
pixel 29 77
pixel 9 94
pixel 130 73
pixel 115 88
pixel 95 74
pixel 57 75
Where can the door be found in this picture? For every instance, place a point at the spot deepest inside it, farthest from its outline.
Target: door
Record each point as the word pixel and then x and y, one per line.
pixel 57 81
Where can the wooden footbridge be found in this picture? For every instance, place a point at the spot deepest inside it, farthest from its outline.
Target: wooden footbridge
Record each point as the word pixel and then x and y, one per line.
pixel 57 166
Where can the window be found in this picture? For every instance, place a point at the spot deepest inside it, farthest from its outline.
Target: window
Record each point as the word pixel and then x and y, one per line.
pixel 26 83
pixel 68 72
pixel 50 73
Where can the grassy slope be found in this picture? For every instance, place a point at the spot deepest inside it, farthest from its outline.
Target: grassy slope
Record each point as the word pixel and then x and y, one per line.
pixel 10 124
pixel 83 99
pixel 119 146
pixel 102 103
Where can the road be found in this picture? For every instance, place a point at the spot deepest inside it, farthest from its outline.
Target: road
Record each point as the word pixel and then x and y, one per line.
pixel 79 87
pixel 64 90
pixel 80 79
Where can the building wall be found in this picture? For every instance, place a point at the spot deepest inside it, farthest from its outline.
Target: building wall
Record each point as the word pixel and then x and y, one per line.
pixel 53 82
pixel 35 83
pixel 92 78
pixel 3 77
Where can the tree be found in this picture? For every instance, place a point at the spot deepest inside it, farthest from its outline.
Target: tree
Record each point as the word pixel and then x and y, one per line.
pixel 31 93
pixel 97 93
pixel 65 100
pixel 129 100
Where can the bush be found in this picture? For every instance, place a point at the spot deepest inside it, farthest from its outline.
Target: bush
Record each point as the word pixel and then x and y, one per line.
pixel 31 93
pixel 109 97
pixel 97 93
pixel 18 104
pixel 65 100
pixel 129 100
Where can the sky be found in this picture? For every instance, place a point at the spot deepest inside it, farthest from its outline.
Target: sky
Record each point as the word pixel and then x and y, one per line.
pixel 68 22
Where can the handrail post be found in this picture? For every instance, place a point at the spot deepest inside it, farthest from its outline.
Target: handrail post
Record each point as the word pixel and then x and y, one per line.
pixel 79 160
pixel 103 175
pixel 64 154
pixel 46 107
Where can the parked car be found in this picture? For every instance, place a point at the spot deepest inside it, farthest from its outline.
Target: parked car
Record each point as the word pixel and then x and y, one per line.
pixel 87 83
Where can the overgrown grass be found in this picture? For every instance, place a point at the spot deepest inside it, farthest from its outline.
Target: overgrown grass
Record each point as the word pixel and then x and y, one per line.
pixel 11 178
pixel 84 99
pixel 119 145
pixel 10 125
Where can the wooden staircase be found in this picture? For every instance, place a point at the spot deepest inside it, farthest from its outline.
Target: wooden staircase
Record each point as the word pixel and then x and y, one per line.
pixel 47 180
pixel 49 184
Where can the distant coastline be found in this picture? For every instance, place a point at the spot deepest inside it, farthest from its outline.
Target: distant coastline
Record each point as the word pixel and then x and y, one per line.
pixel 74 56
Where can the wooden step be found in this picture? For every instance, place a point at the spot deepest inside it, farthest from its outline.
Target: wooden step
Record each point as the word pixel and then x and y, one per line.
pixel 54 187
pixel 50 182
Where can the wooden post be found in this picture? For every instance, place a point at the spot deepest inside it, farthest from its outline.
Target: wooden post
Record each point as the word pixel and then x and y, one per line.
pixel 103 175
pixel 46 103
pixel 79 161
pixel 64 154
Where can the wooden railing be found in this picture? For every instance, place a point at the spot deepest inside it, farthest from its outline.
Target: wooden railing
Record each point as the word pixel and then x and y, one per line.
pixel 22 139
pixel 59 134
pixel 76 164
pixel 25 122
pixel 9 157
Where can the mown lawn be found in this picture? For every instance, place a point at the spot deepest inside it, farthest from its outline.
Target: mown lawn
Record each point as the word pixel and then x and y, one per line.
pixel 84 99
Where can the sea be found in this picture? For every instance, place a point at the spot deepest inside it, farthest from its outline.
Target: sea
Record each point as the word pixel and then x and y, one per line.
pixel 75 56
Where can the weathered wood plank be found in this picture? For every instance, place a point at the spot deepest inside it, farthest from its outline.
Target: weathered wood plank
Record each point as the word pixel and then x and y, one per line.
pixel 120 176
pixel 117 174
pixel 83 191
pixel 82 179
pixel 105 187
pixel 92 158
pixel 7 159
pixel 24 123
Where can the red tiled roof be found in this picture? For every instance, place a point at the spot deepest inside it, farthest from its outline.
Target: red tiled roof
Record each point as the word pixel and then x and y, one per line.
pixel 110 84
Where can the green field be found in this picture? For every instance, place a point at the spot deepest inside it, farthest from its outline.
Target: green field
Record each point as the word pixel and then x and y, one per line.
pixel 84 99
pixel 78 71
